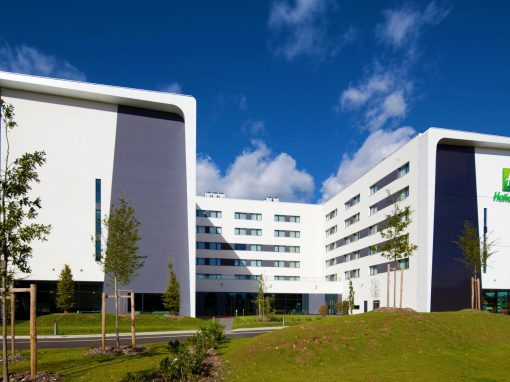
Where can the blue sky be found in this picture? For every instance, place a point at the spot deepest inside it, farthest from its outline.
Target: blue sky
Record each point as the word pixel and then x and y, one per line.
pixel 295 98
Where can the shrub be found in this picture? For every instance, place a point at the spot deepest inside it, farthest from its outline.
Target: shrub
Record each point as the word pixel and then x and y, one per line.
pixel 323 309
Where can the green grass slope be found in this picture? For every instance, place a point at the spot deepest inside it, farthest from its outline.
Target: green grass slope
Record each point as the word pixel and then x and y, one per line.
pixel 90 323
pixel 377 346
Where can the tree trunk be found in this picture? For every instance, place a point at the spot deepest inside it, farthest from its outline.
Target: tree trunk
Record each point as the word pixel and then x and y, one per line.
pixel 478 294
pixel 388 271
pixel 5 365
pixel 472 292
pixel 395 285
pixel 401 285
pixel 117 338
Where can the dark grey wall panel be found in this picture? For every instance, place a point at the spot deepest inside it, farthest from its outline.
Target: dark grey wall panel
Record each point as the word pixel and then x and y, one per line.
pixel 455 201
pixel 150 169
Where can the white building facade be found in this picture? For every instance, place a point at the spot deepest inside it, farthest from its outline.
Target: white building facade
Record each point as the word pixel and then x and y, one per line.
pixel 102 141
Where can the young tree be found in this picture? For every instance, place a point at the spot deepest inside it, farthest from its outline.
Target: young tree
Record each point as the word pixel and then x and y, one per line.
pixel 18 210
pixel 172 296
pixel 121 259
pixel 476 251
pixel 263 302
pixel 65 290
pixel 351 297
pixel 397 245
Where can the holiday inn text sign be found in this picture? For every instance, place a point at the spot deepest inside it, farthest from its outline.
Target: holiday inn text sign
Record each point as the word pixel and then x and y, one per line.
pixel 501 197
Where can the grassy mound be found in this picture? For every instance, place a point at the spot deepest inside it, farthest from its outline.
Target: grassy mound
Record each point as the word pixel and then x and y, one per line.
pixel 379 346
pixel 90 323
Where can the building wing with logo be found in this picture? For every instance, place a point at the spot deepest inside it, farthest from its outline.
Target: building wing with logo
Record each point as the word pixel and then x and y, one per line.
pixel 103 141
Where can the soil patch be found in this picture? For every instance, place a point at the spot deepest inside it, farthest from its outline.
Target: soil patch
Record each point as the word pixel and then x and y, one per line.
pixel 122 350
pixel 25 377
pixel 400 310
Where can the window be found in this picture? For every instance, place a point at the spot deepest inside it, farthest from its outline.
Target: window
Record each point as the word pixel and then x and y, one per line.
pixel 373 209
pixel 353 219
pixel 255 263
pixel 330 247
pixel 372 230
pixel 294 249
pixel 255 247
pixel 240 263
pixel 208 229
pixel 373 249
pixel 403 170
pixel 208 276
pixel 294 264
pixel 200 261
pixel 98 221
pixel 354 274
pixel 200 245
pixel 247 216
pixel 354 255
pixel 352 238
pixel 373 270
pixel 352 202
pixel 208 214
pixel 248 231
pixel 331 230
pixel 216 262
pixel 287 278
pixel 331 215
pixel 403 194
pixel 279 264
pixel 279 248
pixel 213 246
pixel 280 233
pixel 332 277
pixel 374 189
pixel 376 304
pixel 403 264
pixel 247 277
pixel 330 262
pixel 287 218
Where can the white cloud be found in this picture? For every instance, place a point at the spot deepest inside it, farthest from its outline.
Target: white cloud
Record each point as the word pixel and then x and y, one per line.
pixel 376 147
pixel 254 127
pixel 174 87
pixel 382 97
pixel 402 26
pixel 28 60
pixel 255 174
pixel 302 26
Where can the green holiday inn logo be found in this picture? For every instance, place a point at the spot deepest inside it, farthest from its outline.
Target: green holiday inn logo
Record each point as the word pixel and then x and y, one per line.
pixel 505 183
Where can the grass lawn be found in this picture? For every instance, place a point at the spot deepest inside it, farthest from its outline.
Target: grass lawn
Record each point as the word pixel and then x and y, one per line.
pixel 76 365
pixel 90 323
pixel 290 320
pixel 377 346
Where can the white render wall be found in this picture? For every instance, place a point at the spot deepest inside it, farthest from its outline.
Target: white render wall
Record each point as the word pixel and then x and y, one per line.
pixel 310 242
pixel 75 124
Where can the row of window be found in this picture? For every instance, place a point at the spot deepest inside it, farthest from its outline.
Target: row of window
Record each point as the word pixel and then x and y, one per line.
pixel 208 229
pixel 353 219
pixel 247 247
pixel 247 263
pixel 247 231
pixel 215 276
pixel 375 269
pixel 248 216
pixel 281 233
pixel 372 250
pixel 401 171
pixel 398 196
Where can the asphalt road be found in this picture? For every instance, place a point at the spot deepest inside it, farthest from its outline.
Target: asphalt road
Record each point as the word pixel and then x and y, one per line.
pixel 73 342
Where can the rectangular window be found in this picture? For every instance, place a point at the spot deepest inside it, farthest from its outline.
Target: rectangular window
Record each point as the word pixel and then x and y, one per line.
pixel 247 216
pixel 294 264
pixel 373 209
pixel 331 230
pixel 287 218
pixel 331 215
pixel 98 221
pixel 208 214
pixel 354 274
pixel 376 304
pixel 372 230
pixel 373 249
pixel 353 219
pixel 373 270
pixel 208 229
pixel 279 264
pixel 248 231
pixel 403 264
pixel 403 194
pixel 247 277
pixel 255 247
pixel 354 255
pixel 373 189
pixel 280 233
pixel 200 261
pixel 200 245
pixel 287 278
pixel 332 277
pixel 330 247
pixel 403 170
pixel 352 202
pixel 255 263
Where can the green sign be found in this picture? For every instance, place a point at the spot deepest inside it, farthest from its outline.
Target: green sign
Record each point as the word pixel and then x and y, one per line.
pixel 506 179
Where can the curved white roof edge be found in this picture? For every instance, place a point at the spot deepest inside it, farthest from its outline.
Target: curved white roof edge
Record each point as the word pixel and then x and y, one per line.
pixel 183 105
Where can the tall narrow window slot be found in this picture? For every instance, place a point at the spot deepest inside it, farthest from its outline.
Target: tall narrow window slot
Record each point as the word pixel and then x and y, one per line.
pixel 98 220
